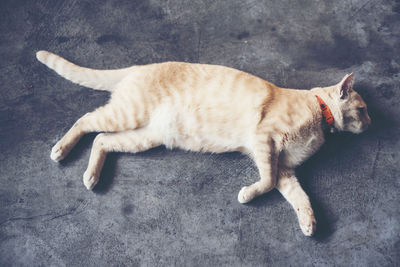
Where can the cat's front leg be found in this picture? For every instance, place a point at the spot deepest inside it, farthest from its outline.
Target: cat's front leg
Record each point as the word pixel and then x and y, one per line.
pixel 291 189
pixel 266 159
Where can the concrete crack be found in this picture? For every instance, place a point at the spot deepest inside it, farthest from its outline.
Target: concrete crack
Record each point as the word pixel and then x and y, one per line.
pixel 71 211
pixel 25 218
pixel 54 215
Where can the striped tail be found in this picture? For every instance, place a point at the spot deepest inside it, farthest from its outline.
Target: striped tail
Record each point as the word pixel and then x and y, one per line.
pixel 96 79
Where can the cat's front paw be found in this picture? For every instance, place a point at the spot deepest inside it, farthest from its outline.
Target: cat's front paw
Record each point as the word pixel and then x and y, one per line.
pixel 245 195
pixel 90 180
pixel 58 152
pixel 307 221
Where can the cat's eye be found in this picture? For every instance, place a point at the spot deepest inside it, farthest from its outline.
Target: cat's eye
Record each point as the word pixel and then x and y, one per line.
pixel 361 109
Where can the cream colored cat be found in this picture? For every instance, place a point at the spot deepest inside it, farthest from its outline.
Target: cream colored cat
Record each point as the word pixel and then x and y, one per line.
pixel 212 109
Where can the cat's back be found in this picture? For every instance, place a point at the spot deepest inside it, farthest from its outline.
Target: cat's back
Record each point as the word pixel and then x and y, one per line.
pixel 195 76
pixel 211 88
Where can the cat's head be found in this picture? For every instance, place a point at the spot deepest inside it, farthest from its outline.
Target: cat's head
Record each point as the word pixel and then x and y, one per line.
pixel 352 115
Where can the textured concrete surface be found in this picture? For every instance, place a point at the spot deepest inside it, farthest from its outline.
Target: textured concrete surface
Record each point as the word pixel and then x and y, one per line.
pixel 163 208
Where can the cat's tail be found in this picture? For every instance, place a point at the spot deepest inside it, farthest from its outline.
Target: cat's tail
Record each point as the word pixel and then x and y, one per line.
pixel 92 78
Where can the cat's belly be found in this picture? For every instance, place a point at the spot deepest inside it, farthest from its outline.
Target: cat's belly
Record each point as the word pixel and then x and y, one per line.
pixel 297 151
pixel 196 143
pixel 190 140
pixel 187 132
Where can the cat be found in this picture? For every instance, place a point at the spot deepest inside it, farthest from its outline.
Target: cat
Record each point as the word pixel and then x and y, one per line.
pixel 216 109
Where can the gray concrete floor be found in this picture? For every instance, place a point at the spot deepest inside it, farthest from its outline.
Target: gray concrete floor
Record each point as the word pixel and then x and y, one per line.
pixel 161 207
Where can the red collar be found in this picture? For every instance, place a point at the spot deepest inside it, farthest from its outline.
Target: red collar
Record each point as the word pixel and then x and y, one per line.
pixel 326 112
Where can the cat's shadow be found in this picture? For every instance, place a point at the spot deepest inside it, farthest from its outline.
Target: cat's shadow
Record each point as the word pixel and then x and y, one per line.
pixel 107 174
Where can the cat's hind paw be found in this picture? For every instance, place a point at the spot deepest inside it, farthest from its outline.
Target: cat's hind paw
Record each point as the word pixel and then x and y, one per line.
pixel 307 221
pixel 90 180
pixel 245 195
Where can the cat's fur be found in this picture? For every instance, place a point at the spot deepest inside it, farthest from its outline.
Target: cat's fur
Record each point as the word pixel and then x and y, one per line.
pixel 211 108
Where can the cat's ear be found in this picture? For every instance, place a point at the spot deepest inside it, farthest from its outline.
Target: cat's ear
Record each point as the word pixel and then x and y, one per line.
pixel 346 85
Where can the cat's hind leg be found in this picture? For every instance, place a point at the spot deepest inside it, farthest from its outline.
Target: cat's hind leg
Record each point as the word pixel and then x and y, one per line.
pixel 266 160
pixel 128 141
pixel 108 118
pixel 291 189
